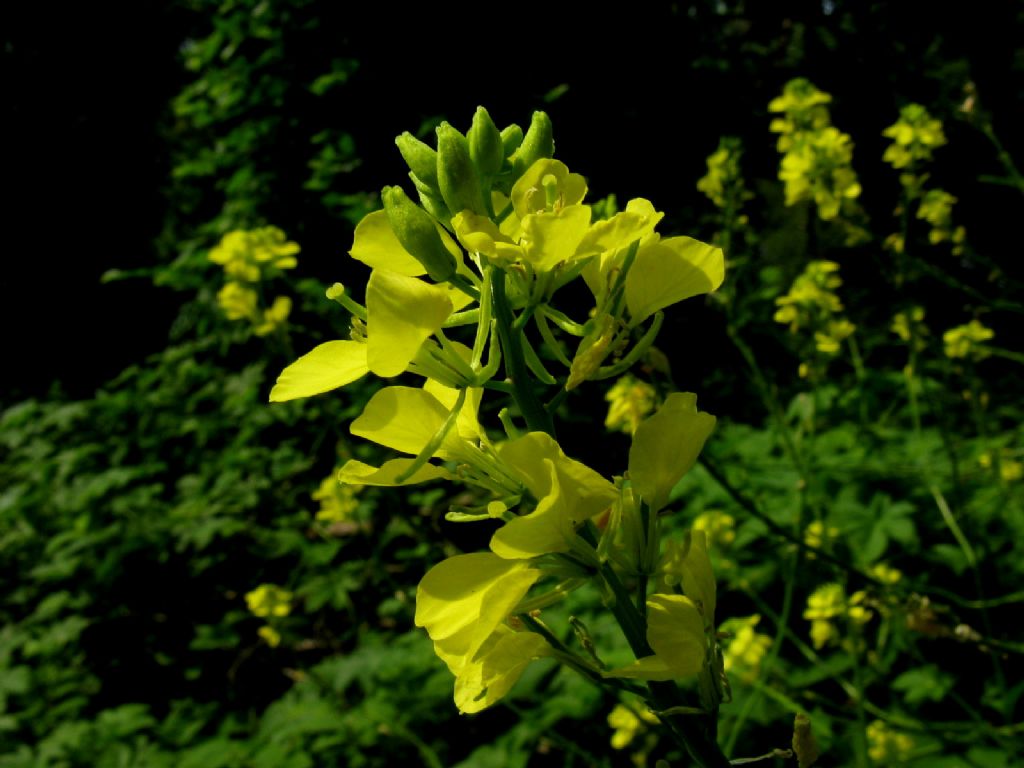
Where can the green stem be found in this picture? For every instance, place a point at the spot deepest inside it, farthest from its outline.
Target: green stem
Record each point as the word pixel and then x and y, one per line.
pixel 537 417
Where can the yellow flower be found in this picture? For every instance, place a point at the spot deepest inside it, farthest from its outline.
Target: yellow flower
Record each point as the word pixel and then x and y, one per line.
pixel 723 179
pixel 270 635
pixel 823 605
pixel 967 340
pixel 463 603
pixel 747 648
pixel 269 600
pixel 909 325
pixel 274 317
pixel 245 253
pixel 718 526
pixel 886 745
pixel 627 724
pixel 915 135
pixel 238 301
pixel 338 501
pixel 1010 470
pixel 630 401
pixel 817 534
pixel 804 111
pixel 886 574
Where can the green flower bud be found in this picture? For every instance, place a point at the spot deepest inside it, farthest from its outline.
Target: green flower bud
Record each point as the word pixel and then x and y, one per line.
pixel 537 143
pixel 421 158
pixel 417 232
pixel 457 176
pixel 485 145
pixel 430 199
pixel 511 138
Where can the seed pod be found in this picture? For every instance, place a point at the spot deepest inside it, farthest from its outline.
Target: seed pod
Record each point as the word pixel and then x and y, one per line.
pixel 421 158
pixel 485 145
pixel 457 176
pixel 537 143
pixel 511 138
pixel 417 232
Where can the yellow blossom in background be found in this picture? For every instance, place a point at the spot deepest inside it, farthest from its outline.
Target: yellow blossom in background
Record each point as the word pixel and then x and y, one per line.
pixel 811 295
pixel 914 136
pixel 627 724
pixel 856 609
pixel 937 209
pixel 630 401
pixel 723 183
pixel 269 600
pixel 719 527
pixel 910 325
pixel 885 573
pixel 746 650
pixel 886 745
pixel 965 340
pixel 803 111
pixel 1010 470
pixel 818 168
pixel 238 301
pixel 828 341
pixel 824 605
pixel 817 533
pixel 338 501
pixel 245 253
pixel 274 317
pixel 270 635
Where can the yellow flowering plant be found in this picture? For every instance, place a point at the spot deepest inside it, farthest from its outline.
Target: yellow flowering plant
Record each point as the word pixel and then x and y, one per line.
pixel 465 277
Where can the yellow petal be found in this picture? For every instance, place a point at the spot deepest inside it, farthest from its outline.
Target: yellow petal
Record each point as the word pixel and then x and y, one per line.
pixel 548 528
pixel 375 245
pixel 551 238
pixel 328 366
pixel 462 600
pixel 698 579
pixel 529 195
pixel 675 633
pixel 467 424
pixel 357 473
pixel 403 418
pixel 401 313
pixel 669 271
pixel 499 664
pixel 665 447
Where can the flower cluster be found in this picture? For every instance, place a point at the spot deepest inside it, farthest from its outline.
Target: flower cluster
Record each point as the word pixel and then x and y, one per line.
pixel 817 157
pixel 723 183
pixel 338 501
pixel 499 228
pixel 629 401
pixel 886 745
pixel 915 136
pixel 746 650
pixel 271 602
pixel 967 341
pixel 829 603
pixel 812 304
pixel 250 257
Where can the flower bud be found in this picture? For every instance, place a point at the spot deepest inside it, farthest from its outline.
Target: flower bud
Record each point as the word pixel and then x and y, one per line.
pixel 417 232
pixel 485 145
pixel 421 158
pixel 457 176
pixel 511 138
pixel 538 142
pixel 430 199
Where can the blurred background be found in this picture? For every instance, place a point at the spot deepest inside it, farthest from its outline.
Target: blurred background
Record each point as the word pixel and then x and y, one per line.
pixel 183 583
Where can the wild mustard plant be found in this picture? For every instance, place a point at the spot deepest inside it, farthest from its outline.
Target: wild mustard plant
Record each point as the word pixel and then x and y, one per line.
pixel 915 137
pixel 249 258
pixel 271 602
pixel 813 306
pixel 499 228
pixel 630 400
pixel 967 341
pixel 816 157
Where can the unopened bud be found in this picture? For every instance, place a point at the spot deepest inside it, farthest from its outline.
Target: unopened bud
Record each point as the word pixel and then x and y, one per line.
pixel 457 176
pixel 485 145
pixel 511 138
pixel 417 232
pixel 421 159
pixel 539 142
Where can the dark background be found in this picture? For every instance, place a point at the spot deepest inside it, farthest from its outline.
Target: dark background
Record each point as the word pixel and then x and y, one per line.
pixel 90 140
